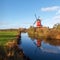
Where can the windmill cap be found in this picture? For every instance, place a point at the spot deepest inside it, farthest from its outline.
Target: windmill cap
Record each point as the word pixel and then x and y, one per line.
pixel 38 19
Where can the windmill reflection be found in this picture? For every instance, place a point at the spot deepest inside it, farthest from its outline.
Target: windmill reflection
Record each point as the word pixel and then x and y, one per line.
pixel 38 42
pixel 38 45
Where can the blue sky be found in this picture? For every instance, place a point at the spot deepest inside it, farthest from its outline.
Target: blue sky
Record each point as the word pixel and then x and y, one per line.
pixel 21 13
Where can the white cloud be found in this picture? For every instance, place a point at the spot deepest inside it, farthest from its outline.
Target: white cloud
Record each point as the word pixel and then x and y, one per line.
pixel 53 8
pixel 51 21
pixel 58 12
pixel 55 20
pixel 57 17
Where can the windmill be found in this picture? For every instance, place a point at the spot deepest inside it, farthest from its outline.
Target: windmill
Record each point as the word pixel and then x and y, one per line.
pixel 37 22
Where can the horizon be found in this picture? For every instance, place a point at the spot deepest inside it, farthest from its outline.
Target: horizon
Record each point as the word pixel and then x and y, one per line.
pixel 21 13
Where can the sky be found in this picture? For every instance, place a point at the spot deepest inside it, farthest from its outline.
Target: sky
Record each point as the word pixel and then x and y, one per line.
pixel 21 13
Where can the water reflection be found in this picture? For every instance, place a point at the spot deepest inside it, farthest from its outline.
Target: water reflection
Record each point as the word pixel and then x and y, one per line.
pixel 49 46
pixel 38 43
pixel 37 40
pixel 53 42
pixel 39 49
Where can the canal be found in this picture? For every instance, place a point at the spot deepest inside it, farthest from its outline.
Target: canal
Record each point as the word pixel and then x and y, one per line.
pixel 37 49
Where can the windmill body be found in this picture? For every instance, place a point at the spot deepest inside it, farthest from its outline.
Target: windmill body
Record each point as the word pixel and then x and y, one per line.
pixel 38 23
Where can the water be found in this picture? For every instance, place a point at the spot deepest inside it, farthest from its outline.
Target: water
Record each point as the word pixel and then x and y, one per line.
pixel 37 49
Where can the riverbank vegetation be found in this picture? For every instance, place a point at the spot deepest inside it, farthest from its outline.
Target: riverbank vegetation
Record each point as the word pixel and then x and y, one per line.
pixel 45 32
pixel 11 51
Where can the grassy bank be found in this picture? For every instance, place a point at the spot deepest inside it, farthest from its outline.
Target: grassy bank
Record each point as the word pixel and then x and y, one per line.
pixel 7 35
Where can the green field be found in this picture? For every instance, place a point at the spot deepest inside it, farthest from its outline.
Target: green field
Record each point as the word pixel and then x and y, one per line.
pixel 7 35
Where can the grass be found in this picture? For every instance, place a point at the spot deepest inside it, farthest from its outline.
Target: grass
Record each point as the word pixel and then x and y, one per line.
pixel 8 35
pixel 8 32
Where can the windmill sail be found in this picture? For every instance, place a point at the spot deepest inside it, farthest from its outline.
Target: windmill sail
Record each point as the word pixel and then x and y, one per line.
pixel 36 19
pixel 34 23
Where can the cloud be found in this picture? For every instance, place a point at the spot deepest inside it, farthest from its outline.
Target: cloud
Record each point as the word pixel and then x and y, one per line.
pixel 57 17
pixel 58 12
pixel 53 8
pixel 51 21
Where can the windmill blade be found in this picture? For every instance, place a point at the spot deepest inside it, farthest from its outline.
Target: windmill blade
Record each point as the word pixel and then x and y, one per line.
pixel 35 16
pixel 34 22
pixel 36 19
